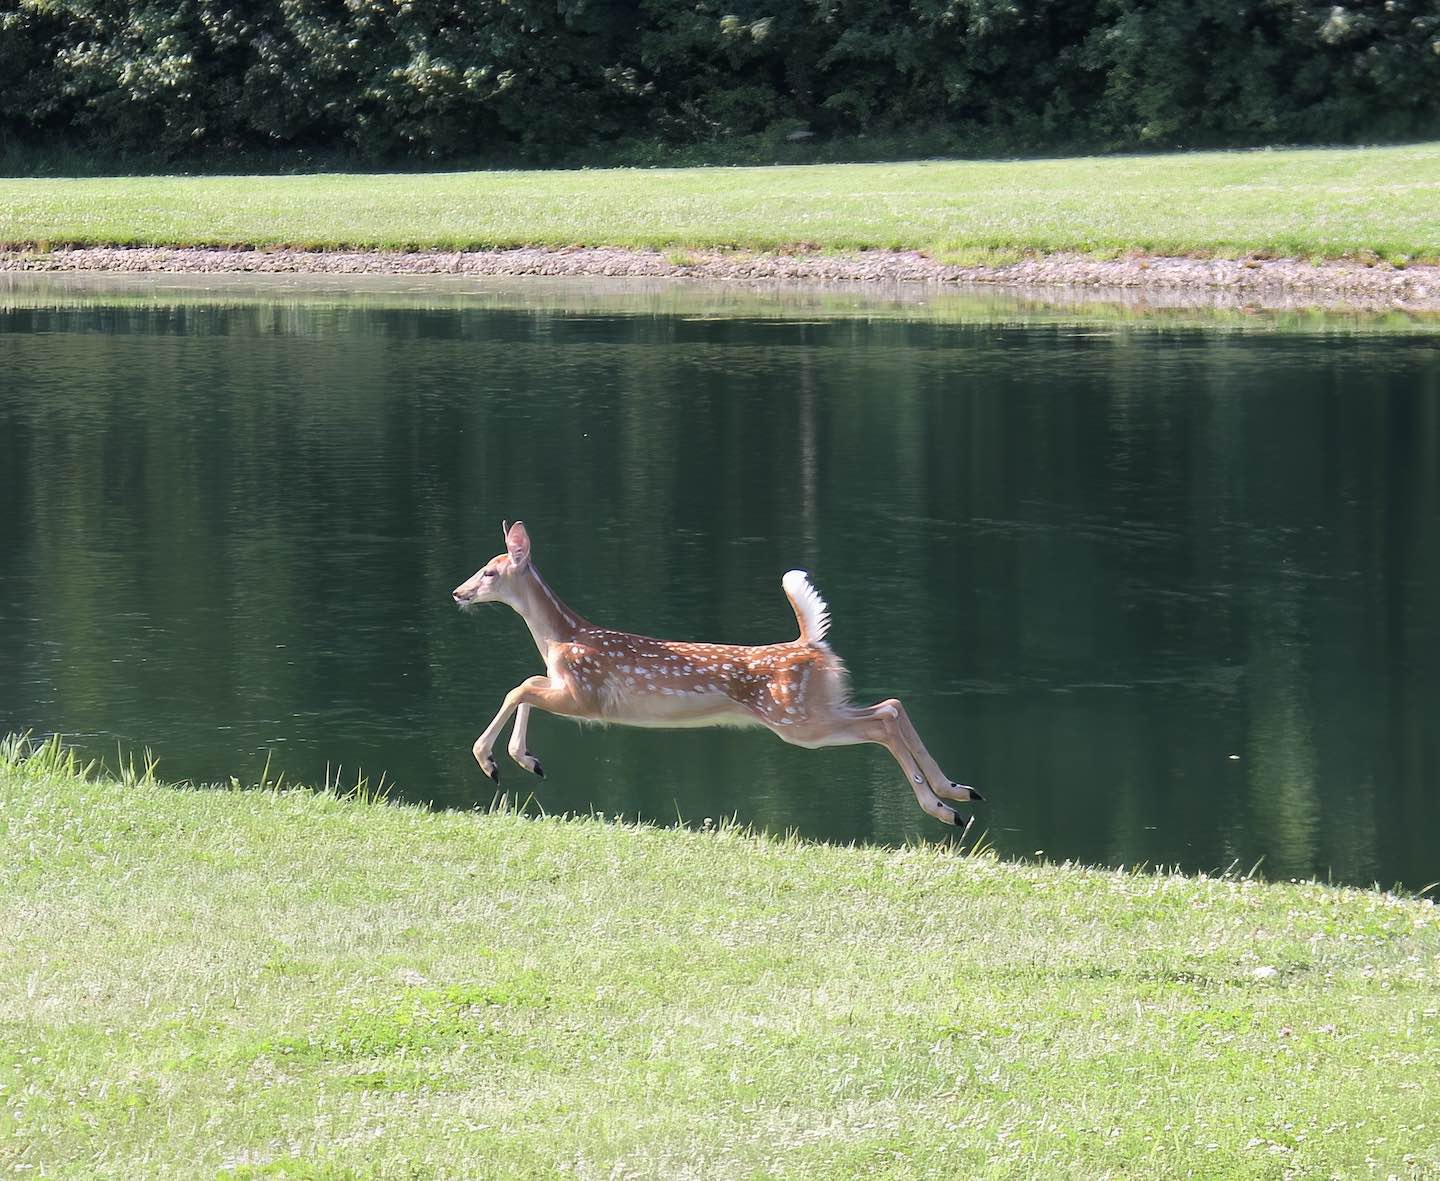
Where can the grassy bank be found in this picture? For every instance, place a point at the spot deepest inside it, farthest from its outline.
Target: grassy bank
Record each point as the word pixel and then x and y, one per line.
pixel 269 983
pixel 1366 202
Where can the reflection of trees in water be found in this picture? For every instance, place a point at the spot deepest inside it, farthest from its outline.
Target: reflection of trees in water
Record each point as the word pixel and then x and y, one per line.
pixel 1280 752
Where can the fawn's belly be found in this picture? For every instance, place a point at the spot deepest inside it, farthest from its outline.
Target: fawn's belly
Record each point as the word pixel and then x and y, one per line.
pixel 654 707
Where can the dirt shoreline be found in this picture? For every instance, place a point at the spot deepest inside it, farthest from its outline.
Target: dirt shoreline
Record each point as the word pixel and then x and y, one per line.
pixel 1243 282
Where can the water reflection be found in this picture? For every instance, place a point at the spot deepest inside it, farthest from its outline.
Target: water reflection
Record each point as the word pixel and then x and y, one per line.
pixel 1096 557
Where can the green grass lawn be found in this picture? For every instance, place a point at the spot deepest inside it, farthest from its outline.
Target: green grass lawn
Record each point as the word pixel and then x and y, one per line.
pixel 266 983
pixel 1363 202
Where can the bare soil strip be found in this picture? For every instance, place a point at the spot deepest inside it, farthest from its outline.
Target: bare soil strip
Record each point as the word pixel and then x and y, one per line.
pixel 1250 281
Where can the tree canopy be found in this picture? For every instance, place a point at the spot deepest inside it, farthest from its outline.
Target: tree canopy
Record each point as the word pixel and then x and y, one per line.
pixel 550 80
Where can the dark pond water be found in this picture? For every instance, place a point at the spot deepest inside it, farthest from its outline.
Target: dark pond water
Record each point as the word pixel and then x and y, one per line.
pixel 1166 589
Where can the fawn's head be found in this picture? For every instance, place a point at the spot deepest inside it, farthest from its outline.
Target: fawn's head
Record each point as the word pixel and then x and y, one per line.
pixel 497 581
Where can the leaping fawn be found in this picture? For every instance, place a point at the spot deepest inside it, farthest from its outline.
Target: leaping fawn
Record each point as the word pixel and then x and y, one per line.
pixel 798 690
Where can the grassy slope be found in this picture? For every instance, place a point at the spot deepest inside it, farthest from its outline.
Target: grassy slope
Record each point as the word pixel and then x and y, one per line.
pixel 1331 203
pixel 263 983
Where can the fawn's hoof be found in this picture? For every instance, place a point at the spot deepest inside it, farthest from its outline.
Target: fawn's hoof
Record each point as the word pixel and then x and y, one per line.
pixel 961 820
pixel 974 795
pixel 539 770
pixel 490 770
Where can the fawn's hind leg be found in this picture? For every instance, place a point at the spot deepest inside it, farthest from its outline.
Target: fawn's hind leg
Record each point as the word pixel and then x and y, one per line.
pixel 939 782
pixel 877 725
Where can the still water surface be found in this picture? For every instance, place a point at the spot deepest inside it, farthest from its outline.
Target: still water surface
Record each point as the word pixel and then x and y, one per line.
pixel 1166 589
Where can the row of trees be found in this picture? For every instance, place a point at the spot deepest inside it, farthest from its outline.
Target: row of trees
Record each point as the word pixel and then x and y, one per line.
pixel 375 80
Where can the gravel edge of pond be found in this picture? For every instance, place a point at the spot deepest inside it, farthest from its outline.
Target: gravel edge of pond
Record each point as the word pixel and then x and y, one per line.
pixel 1247 281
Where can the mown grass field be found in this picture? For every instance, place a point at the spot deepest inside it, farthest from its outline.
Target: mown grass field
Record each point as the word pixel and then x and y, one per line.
pixel 267 983
pixel 1368 203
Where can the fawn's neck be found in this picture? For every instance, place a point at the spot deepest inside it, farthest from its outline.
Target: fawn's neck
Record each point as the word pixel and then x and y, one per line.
pixel 550 621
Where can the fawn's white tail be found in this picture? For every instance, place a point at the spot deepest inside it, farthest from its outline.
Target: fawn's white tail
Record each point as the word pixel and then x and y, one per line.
pixel 810 609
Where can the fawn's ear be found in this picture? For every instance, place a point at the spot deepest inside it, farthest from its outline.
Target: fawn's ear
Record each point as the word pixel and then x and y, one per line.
pixel 517 543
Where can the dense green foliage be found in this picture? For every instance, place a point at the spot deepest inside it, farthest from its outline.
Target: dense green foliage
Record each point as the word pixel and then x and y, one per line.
pixel 371 80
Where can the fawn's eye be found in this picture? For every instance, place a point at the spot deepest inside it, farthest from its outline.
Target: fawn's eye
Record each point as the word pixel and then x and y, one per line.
pixel 488 573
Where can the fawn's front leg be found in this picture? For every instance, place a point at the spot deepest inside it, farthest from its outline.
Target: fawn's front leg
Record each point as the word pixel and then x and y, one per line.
pixel 534 691
pixel 519 743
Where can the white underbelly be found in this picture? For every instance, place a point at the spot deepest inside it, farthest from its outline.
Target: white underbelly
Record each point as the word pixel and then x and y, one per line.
pixel 651 708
